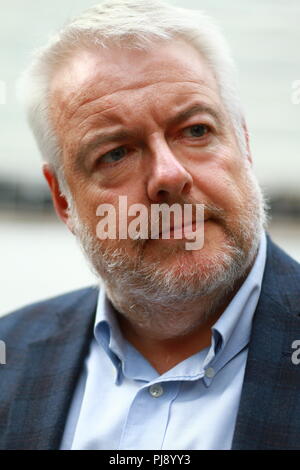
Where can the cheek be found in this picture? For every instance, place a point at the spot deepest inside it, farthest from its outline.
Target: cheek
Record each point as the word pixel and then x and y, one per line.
pixel 90 196
pixel 219 177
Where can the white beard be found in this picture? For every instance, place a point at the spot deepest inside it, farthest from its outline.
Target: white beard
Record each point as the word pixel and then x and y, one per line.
pixel 155 297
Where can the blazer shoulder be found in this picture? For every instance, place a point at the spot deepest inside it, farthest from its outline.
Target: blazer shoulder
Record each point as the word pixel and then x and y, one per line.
pixel 281 259
pixel 27 322
pixel 282 277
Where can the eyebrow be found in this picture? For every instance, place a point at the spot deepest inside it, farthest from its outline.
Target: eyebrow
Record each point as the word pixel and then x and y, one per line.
pixel 103 137
pixel 196 109
pixel 100 139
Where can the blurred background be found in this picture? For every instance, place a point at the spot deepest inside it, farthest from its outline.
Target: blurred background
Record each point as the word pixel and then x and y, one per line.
pixel 39 258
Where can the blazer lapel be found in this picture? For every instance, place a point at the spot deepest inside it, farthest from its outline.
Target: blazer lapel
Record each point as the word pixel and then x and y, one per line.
pixel 51 370
pixel 269 411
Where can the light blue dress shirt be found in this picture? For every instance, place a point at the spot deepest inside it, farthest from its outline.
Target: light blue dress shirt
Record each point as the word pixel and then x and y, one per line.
pixel 121 402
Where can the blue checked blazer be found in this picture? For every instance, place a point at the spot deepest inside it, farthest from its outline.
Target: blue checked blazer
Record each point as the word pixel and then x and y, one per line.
pixel 47 343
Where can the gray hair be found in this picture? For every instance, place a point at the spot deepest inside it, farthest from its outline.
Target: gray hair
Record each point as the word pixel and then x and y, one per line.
pixel 131 24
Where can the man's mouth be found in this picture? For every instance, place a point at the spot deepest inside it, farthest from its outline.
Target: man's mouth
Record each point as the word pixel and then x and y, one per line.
pixel 178 231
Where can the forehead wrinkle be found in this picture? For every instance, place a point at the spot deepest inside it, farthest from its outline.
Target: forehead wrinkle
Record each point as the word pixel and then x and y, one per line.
pixel 158 77
pixel 92 101
pixel 101 116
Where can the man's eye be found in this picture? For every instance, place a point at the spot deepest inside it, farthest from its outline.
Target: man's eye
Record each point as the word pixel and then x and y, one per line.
pixel 199 130
pixel 114 155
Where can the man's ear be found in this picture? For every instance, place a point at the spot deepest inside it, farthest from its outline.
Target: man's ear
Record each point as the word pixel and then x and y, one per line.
pixel 246 133
pixel 59 200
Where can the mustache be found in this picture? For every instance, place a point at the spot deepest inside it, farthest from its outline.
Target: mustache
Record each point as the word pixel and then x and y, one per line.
pixel 210 211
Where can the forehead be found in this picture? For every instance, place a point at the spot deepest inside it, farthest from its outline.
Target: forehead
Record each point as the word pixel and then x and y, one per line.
pixel 98 75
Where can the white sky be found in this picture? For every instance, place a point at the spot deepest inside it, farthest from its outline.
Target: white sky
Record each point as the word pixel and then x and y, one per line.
pixel 264 36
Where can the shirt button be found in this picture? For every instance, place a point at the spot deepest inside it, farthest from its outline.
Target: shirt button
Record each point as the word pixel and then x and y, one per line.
pixel 210 373
pixel 156 390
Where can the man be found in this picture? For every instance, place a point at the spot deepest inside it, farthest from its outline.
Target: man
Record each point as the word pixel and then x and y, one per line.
pixel 179 349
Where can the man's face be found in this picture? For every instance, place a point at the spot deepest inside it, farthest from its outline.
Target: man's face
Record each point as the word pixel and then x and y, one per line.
pixel 151 125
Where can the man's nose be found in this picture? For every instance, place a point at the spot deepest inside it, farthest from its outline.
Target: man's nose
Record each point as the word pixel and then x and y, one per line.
pixel 168 179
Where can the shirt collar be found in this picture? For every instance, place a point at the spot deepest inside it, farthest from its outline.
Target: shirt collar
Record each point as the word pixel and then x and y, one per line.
pixel 231 332
pixel 107 332
pixel 236 318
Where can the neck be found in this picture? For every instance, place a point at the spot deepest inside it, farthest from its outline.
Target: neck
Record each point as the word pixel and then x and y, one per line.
pixel 164 353
pixel 166 336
